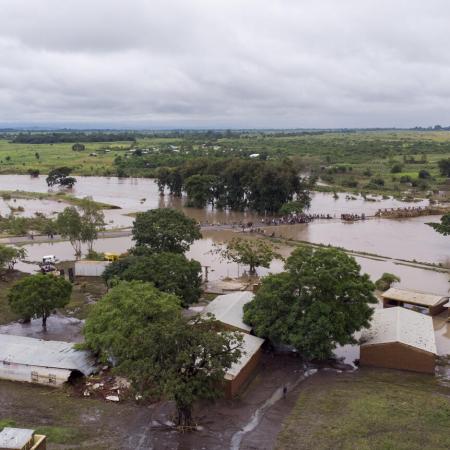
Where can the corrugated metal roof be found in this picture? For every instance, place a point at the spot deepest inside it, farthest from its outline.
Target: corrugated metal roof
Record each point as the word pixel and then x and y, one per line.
pixel 37 352
pixel 401 325
pixel 228 309
pixel 15 438
pixel 250 345
pixel 413 297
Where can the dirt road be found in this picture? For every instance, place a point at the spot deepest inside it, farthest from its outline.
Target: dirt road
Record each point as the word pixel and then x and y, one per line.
pixel 94 424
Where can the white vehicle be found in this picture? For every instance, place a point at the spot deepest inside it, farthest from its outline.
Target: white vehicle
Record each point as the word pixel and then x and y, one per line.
pixel 49 259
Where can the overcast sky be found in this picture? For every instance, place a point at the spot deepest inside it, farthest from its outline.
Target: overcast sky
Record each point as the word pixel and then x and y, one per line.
pixel 225 63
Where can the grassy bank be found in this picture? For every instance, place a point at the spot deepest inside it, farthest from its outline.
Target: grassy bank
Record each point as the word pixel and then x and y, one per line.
pixel 369 410
pixel 57 197
pixel 385 162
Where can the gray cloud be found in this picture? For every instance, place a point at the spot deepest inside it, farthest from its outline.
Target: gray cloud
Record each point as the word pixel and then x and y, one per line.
pixel 225 63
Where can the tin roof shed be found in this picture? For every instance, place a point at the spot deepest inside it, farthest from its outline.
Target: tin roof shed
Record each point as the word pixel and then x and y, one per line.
pixel 413 297
pixel 401 325
pixel 228 309
pixel 37 352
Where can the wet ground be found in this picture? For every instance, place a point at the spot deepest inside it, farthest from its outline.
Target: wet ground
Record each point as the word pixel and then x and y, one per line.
pixel 129 426
pixel 59 328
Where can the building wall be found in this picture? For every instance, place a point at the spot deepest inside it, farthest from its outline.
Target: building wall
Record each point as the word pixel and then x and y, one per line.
pixel 432 310
pixel 435 310
pixel 33 374
pixel 397 356
pixel 232 387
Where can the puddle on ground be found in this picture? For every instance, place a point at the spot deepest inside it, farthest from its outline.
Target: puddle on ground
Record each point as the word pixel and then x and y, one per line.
pixel 59 328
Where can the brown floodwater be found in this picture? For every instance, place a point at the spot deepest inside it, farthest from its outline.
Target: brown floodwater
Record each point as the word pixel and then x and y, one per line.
pixel 30 207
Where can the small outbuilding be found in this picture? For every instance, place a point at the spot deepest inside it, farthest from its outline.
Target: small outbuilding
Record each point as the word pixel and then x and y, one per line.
pixel 228 309
pixel 430 304
pixel 49 363
pixel 86 268
pixel 240 373
pixel 399 338
pixel 21 439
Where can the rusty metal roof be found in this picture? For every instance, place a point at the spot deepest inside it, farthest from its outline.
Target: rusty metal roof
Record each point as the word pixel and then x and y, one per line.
pixel 413 297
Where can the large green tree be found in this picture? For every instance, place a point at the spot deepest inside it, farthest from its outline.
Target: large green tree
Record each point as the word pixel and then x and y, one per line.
pixel 70 226
pixel 444 167
pixel 9 256
pixel 39 295
pixel 169 272
pixel 81 225
pixel 165 230
pixel 200 190
pixel 320 301
pixel 60 176
pixel 92 221
pixel 161 352
pixel 250 252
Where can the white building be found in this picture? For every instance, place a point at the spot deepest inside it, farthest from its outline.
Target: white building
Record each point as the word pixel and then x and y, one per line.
pixel 85 268
pixel 43 362
pixel 228 309
pixel 399 338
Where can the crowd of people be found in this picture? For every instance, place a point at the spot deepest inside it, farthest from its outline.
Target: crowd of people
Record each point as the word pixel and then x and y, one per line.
pixel 353 217
pixel 410 211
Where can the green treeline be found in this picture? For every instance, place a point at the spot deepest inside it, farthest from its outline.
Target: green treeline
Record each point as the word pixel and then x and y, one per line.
pixel 54 138
pixel 236 184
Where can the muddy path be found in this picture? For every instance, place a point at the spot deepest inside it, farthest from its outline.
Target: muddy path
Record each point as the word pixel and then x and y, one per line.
pixel 128 426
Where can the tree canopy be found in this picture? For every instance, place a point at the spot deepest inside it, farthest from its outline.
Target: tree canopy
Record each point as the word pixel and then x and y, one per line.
pixel 250 252
pixel 170 272
pixel 161 352
pixel 81 225
pixel 443 227
pixel 444 167
pixel 386 281
pixel 318 302
pixel 165 230
pixel 9 256
pixel 237 184
pixel 38 295
pixel 60 176
pixel 70 226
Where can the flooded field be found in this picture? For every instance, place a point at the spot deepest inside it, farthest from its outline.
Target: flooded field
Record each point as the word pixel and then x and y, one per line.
pixel 401 238
pixel 29 207
pixel 409 239
pixel 406 239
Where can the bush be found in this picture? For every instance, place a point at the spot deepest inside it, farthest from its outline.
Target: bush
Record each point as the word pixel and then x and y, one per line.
pixel 378 181
pixel 350 182
pixel 424 174
pixel 405 179
pixel 396 168
pixel 386 281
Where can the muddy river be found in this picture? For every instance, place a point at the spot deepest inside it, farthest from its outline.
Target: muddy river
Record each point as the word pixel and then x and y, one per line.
pixel 407 239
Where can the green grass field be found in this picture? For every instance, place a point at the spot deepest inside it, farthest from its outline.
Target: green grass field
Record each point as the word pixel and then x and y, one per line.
pixel 369 410
pixel 346 161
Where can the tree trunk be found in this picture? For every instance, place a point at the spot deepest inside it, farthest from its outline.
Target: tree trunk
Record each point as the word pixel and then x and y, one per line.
pixel 44 322
pixel 252 270
pixel 184 416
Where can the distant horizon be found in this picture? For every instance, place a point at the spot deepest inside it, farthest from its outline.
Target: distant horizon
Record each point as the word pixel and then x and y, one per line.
pixel 79 127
